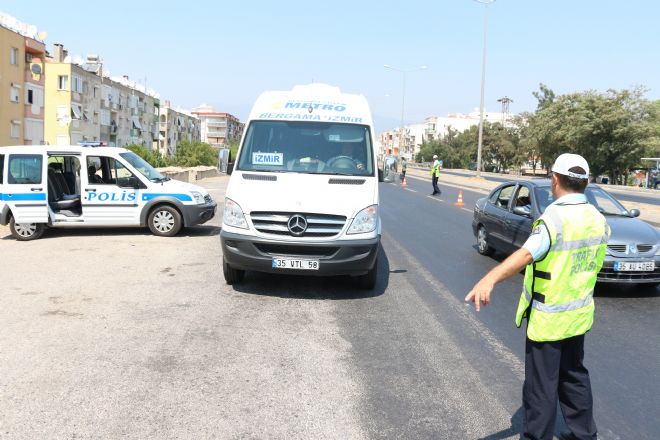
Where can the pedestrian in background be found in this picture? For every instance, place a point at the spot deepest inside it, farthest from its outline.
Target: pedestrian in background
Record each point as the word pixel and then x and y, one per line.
pixel 656 179
pixel 563 255
pixel 404 166
pixel 435 175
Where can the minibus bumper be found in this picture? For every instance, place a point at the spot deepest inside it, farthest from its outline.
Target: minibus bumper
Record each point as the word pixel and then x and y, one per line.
pixel 339 257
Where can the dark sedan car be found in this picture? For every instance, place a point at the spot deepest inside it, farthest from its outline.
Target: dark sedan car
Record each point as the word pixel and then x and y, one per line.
pixel 503 221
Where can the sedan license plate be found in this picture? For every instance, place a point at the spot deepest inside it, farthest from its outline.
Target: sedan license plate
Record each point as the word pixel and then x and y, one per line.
pixel 295 263
pixel 645 266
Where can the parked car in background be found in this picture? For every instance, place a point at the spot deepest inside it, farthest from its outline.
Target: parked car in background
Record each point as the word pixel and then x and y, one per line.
pixel 503 221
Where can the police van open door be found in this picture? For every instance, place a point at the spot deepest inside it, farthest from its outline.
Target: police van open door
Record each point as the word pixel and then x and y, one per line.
pixel 111 193
pixel 24 194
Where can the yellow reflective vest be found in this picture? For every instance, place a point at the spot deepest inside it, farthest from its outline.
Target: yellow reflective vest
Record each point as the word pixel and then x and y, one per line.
pixel 557 297
pixel 435 171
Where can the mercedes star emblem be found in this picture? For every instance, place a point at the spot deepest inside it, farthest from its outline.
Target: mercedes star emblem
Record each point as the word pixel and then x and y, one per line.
pixel 297 225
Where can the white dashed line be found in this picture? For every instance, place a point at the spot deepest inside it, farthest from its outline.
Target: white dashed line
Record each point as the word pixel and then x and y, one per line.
pixel 465 209
pixel 435 198
pixel 411 190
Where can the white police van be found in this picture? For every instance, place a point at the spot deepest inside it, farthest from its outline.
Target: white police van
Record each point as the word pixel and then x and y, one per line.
pixel 303 194
pixel 78 186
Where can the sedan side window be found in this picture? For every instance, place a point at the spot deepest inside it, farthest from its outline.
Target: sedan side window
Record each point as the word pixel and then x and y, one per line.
pixel 504 197
pixel 522 197
pixel 493 197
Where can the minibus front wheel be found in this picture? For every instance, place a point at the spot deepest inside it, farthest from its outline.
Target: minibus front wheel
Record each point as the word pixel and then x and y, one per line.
pixel 26 231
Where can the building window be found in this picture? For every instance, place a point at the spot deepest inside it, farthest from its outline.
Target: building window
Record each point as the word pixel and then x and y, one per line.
pixel 13 94
pixel 29 99
pixel 63 82
pixel 13 56
pixel 15 129
pixel 76 84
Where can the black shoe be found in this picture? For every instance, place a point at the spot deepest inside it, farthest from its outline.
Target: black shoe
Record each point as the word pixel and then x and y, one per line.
pixel 433 194
pixel 567 436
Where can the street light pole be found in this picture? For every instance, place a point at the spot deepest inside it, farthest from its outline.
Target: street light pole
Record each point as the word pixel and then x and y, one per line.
pixel 403 94
pixel 483 83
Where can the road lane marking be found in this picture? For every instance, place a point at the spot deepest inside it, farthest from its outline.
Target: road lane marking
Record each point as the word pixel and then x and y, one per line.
pixel 465 209
pixel 411 190
pixel 454 185
pixel 435 198
pixel 477 326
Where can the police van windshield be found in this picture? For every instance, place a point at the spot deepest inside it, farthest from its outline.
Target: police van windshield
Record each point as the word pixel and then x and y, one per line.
pixel 143 167
pixel 307 147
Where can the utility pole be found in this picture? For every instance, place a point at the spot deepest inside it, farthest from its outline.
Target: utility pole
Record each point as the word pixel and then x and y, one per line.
pixel 483 82
pixel 505 101
pixel 403 96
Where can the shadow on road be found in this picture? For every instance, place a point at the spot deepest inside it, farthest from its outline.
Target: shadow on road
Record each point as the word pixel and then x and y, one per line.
pixel 606 290
pixel 515 430
pixel 314 288
pixel 51 233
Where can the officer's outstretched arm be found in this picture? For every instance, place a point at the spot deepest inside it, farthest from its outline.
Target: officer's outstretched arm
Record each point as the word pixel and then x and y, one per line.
pixel 481 291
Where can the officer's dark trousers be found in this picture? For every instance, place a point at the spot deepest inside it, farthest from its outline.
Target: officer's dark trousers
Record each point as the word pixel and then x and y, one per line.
pixel 554 370
pixel 434 180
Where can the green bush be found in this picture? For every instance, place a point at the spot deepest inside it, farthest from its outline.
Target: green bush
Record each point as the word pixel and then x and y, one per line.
pixel 190 154
pixel 154 158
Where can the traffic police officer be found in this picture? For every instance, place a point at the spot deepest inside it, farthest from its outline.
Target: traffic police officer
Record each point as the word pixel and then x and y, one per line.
pixel 563 256
pixel 435 175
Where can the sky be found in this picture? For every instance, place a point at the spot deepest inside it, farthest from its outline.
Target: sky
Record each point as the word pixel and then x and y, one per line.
pixel 225 53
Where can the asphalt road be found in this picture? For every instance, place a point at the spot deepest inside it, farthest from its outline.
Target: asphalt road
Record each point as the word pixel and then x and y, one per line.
pixel 646 196
pixel 620 350
pixel 117 333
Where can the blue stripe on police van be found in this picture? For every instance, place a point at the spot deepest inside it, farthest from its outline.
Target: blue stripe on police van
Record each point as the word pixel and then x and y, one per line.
pixel 22 197
pixel 181 197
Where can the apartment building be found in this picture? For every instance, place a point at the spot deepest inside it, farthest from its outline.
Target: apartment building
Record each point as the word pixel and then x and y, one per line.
pixel 84 105
pixel 217 128
pixel 22 53
pixel 176 125
pixel 407 142
pixel 134 113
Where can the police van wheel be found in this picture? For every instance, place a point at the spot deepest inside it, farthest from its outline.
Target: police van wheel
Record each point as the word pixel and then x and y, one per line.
pixel 368 280
pixel 232 276
pixel 26 231
pixel 482 242
pixel 164 221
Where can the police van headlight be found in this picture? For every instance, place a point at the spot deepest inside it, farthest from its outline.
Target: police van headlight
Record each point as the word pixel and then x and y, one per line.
pixel 233 215
pixel 365 221
pixel 199 198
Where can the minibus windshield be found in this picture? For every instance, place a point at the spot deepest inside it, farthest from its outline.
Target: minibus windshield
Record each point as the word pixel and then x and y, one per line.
pixel 143 167
pixel 307 147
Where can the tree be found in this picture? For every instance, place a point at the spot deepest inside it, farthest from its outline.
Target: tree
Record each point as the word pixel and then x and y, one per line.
pixel 612 130
pixel 190 154
pixel 154 158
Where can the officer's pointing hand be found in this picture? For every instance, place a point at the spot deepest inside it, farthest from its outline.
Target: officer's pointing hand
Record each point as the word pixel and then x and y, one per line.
pixel 480 293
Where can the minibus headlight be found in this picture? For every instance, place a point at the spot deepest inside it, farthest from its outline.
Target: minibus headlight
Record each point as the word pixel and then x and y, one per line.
pixel 199 198
pixel 233 215
pixel 365 221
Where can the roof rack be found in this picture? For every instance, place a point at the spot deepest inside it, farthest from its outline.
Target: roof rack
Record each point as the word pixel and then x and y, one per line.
pixel 92 144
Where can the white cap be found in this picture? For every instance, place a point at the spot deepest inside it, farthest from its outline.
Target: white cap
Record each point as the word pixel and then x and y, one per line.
pixel 435 156
pixel 567 161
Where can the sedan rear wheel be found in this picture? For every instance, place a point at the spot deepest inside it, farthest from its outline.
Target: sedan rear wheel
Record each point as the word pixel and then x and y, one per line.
pixel 482 242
